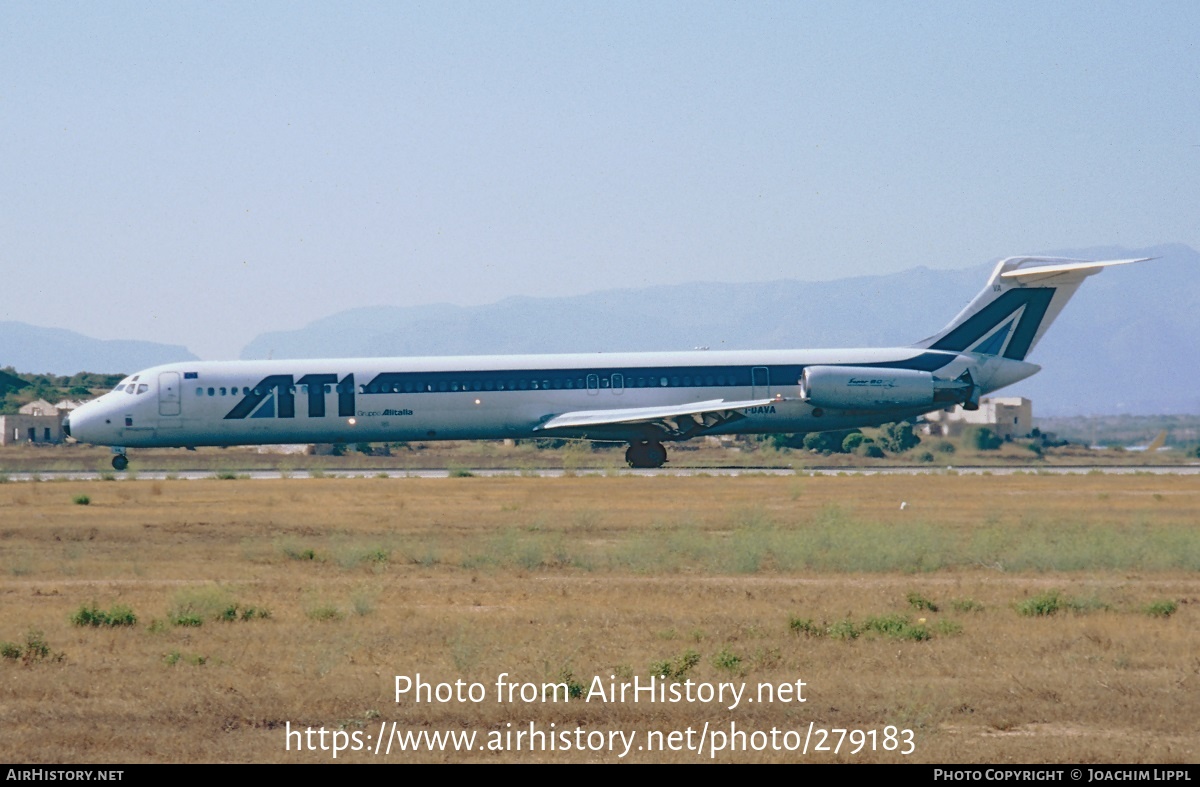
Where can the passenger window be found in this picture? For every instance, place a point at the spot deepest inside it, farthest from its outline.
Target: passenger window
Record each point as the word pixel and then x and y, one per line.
pixel 212 392
pixel 222 391
pixel 199 392
pixel 663 382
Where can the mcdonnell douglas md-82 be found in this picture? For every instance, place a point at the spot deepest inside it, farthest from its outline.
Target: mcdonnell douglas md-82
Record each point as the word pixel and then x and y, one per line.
pixel 644 399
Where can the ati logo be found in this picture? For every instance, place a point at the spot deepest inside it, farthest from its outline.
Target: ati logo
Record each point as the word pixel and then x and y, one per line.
pixel 275 396
pixel 766 410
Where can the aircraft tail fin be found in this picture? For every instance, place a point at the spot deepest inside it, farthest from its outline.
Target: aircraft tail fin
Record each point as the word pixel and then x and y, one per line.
pixel 1021 299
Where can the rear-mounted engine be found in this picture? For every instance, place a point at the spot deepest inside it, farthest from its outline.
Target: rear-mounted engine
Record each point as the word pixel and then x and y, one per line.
pixel 874 388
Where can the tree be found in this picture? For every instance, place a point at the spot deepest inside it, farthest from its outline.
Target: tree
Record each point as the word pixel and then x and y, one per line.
pixel 982 439
pixel 898 437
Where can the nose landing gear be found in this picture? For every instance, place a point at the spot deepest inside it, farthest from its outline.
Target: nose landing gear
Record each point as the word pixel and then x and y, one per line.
pixel 646 453
pixel 120 461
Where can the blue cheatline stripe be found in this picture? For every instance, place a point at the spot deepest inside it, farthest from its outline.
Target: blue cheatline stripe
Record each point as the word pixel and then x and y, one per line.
pixel 275 395
pixel 1035 300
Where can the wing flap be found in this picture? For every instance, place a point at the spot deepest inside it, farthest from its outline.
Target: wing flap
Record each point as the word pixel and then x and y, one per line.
pixel 676 421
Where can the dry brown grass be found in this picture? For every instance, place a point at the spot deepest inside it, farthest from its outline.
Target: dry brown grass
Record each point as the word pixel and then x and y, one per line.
pixel 468 578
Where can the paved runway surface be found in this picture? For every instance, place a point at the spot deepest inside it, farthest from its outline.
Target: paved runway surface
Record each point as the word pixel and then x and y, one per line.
pixel 1191 469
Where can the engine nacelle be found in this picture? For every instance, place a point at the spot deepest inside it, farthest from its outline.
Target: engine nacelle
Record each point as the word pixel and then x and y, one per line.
pixel 866 388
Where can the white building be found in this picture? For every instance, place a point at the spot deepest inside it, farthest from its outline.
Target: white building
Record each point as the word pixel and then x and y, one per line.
pixel 1007 416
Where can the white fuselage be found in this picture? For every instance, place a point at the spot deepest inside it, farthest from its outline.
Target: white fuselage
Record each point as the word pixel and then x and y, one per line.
pixel 485 397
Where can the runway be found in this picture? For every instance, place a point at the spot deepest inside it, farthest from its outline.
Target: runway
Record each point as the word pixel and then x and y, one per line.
pixel 683 472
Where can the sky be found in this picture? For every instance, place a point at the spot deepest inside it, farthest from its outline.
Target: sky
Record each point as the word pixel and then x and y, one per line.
pixel 198 173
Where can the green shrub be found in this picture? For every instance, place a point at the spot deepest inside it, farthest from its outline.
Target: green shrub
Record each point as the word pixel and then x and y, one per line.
pixel 919 602
pixel 805 626
pixel 91 615
pixel 1041 605
pixel 81 500
pixel 844 629
pixel 1161 609
pixel 36 649
pixel 966 605
pixel 897 627
pixel 677 669
pixel 727 660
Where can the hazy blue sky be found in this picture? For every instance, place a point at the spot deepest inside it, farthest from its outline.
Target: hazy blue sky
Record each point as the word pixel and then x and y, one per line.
pixel 198 173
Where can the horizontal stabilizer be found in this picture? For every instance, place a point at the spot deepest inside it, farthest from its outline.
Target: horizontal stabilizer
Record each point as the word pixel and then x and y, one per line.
pixel 1083 267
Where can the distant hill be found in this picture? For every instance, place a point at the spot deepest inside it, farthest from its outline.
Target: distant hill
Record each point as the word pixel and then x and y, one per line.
pixel 30 348
pixel 1127 342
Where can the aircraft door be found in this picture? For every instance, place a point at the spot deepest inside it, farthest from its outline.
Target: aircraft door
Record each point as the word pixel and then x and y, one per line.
pixel 593 384
pixel 618 383
pixel 760 382
pixel 168 393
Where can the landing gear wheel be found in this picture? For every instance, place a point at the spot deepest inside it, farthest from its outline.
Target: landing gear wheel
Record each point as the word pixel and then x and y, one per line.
pixel 646 454
pixel 120 462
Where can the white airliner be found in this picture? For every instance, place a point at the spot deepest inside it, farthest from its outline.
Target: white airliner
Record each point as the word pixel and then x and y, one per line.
pixel 645 399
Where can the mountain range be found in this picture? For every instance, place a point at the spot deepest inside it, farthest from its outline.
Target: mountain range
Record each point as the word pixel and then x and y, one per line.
pixel 1127 342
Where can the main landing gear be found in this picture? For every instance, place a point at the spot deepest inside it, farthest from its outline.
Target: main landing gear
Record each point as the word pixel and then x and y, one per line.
pixel 120 461
pixel 646 453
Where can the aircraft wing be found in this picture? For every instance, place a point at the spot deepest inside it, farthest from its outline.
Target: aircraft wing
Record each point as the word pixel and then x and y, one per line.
pixel 670 421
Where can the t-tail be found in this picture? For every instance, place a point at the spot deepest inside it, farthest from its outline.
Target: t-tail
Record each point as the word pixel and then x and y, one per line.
pixel 1021 299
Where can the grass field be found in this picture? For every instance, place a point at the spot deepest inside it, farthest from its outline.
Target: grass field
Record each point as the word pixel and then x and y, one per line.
pixel 1017 618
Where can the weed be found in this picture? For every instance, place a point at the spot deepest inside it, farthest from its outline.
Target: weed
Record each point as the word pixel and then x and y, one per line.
pixel 676 670
pixel 1082 606
pixel 81 500
pixel 727 660
pixel 191 607
pixel 174 657
pixel 362 604
pixel 94 616
pixel 323 612
pixel 36 650
pixel 919 602
pixel 587 520
pixel 844 629
pixel 897 627
pixel 575 687
pixel 228 475
pixel 293 552
pixel 1161 609
pixel 457 471
pixel 805 626
pixel 1040 605
pixel 966 605
pixel 948 628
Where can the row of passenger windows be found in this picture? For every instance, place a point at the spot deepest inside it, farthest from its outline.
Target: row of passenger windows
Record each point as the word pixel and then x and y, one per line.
pixel 590 382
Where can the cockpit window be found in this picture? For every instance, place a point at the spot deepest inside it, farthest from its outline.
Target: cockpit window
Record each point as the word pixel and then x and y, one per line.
pixel 120 387
pixel 143 388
